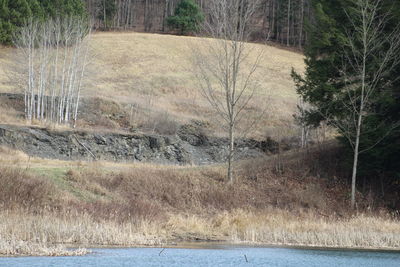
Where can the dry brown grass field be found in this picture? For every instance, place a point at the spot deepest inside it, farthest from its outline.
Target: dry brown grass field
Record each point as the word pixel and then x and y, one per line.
pixel 50 202
pixel 151 73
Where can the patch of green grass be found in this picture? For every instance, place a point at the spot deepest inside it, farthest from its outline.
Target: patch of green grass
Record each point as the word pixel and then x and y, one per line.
pixel 55 174
pixel 58 176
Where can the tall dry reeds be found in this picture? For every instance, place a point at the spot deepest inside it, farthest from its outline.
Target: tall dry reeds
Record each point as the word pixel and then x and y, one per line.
pixel 22 248
pixel 273 227
pixel 75 228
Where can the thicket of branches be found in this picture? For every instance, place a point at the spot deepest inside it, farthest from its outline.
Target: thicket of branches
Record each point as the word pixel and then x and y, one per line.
pixel 50 62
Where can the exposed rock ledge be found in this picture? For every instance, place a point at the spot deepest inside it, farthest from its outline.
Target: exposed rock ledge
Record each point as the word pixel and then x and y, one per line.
pixel 187 147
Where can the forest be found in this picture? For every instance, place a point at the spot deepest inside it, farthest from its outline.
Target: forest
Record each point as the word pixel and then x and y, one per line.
pixel 282 21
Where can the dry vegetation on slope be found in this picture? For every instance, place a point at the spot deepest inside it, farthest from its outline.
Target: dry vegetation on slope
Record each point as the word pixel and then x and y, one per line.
pixel 149 76
pixel 75 203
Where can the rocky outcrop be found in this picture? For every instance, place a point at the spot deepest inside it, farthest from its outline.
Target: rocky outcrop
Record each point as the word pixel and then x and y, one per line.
pixel 187 147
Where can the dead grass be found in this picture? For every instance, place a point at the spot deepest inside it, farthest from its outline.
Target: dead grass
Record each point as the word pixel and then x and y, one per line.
pixel 11 110
pixel 73 228
pixel 104 203
pixel 281 227
pixel 21 189
pixel 153 72
pixel 272 227
pixel 159 64
pixel 23 248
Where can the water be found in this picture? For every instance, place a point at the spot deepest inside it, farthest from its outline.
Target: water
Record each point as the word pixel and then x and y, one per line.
pixel 221 256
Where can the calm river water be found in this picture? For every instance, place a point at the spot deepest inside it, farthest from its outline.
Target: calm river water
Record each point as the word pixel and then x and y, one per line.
pixel 221 256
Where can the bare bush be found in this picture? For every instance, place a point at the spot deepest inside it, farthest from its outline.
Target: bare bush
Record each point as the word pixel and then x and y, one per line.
pixel 20 189
pixel 164 124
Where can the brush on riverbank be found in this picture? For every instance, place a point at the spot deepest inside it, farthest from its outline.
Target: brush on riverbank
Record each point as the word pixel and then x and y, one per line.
pixel 28 234
pixel 14 247
pixel 91 204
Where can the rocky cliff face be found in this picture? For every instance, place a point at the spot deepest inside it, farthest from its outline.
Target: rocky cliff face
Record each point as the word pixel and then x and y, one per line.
pixel 187 147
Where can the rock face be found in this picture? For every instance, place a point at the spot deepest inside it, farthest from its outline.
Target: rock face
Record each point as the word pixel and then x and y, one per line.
pixel 187 147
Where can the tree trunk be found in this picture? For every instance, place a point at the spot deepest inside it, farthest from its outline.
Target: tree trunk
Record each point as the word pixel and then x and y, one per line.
pixel 288 25
pixel 145 16
pixel 355 163
pixel 165 14
pixel 301 24
pixel 272 27
pixel 104 14
pixel 231 152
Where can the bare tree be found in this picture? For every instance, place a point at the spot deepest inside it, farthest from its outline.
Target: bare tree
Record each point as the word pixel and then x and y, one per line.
pixel 225 66
pixel 56 53
pixel 370 54
pixel 300 119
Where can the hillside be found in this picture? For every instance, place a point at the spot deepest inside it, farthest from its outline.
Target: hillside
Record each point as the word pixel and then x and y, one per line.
pixel 149 77
pixel 85 186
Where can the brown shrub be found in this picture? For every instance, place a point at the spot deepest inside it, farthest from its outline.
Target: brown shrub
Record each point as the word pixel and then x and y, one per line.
pixel 182 190
pixel 157 122
pixel 129 210
pixel 20 189
pixel 150 192
pixel 306 180
pixel 74 176
pixel 102 113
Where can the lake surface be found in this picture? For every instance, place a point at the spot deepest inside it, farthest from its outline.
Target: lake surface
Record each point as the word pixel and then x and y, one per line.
pixel 216 256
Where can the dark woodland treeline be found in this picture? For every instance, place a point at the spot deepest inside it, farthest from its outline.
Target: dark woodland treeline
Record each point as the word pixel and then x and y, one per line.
pixel 16 13
pixel 282 21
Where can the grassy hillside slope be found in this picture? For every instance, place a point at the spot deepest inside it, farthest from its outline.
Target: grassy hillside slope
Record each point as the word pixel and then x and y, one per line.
pixel 150 77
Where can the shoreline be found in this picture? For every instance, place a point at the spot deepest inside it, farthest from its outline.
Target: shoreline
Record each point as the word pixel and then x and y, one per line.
pixel 210 244
pixel 226 245
pixel 235 229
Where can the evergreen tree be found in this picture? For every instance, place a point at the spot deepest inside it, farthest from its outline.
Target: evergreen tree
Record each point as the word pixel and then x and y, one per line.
pixel 62 8
pixel 14 13
pixel 323 85
pixel 188 17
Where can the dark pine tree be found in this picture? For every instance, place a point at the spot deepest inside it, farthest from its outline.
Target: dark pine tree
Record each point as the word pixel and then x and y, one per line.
pixel 323 87
pixel 188 17
pixel 13 14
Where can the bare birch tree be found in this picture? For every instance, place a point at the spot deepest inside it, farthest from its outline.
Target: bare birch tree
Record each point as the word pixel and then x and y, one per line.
pixel 224 67
pixel 370 54
pixel 51 59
